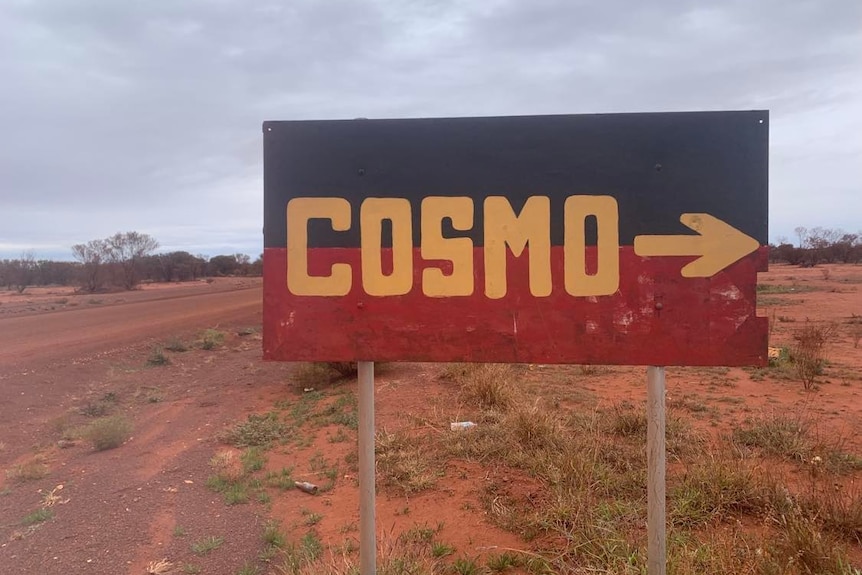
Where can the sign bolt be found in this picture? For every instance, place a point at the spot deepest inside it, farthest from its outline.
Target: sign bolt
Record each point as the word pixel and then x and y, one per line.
pixel 659 306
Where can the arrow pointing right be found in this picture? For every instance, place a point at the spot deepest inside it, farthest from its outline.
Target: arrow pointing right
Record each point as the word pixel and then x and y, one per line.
pixel 718 244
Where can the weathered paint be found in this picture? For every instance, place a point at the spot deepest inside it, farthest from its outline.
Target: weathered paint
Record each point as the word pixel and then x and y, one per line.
pixel 656 316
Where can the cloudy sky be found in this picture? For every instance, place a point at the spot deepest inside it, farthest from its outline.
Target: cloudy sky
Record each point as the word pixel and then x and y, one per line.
pixel 146 115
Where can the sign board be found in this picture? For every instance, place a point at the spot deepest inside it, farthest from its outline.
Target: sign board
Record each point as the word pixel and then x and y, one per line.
pixel 602 239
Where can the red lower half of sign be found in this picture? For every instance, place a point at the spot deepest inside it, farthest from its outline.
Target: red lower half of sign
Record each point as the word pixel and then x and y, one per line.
pixel 656 317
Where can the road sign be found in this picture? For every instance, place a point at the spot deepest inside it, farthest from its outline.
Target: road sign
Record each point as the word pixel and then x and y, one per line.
pixel 606 239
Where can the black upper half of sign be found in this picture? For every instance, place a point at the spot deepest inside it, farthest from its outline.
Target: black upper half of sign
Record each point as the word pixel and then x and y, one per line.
pixel 657 166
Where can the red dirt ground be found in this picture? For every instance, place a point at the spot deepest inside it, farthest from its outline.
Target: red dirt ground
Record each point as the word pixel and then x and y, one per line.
pixel 122 508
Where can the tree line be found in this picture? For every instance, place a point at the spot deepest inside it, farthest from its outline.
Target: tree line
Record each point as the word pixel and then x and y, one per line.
pixel 126 259
pixel 818 246
pixel 123 260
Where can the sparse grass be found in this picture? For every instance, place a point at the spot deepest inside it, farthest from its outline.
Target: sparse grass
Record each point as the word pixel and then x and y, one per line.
pixel 628 422
pixel 190 569
pixel 776 434
pixel 320 465
pixel 465 566
pixel 300 557
pixel 39 516
pixel 236 494
pixel 439 549
pixel 179 531
pixel 95 409
pixel 230 477
pixel 498 563
pixel 405 463
pixel 108 432
pixel 252 459
pixel 339 437
pixel 281 479
pixel 273 536
pixel 486 385
pixel 533 428
pixel 311 519
pixel 30 470
pixel 312 545
pixel 346 411
pixel 259 430
pixel 206 545
pixel 234 476
pixel 717 488
pixel 211 339
pixel 783 289
pixel 248 568
pixel 836 511
pixel 837 461
pixel 176 345
pixel 574 482
pixel 812 550
pixel 158 358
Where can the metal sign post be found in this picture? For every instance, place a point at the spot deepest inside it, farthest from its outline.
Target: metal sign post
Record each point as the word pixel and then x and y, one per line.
pixel 656 547
pixel 367 532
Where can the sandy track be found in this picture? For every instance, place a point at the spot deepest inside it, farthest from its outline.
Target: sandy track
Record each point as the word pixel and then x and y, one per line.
pixel 83 330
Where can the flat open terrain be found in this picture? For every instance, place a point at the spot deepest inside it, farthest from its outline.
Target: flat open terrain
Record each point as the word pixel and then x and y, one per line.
pixel 764 475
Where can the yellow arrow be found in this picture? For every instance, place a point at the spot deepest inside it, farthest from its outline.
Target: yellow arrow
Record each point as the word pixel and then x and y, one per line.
pixel 717 243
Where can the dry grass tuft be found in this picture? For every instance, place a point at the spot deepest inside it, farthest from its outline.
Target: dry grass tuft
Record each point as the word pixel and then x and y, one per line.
pixel 488 386
pixel 258 430
pixel 160 567
pixel 777 434
pixel 533 428
pixel 718 487
pixel 809 352
pixel 30 470
pixel 227 465
pixel 405 463
pixel 108 432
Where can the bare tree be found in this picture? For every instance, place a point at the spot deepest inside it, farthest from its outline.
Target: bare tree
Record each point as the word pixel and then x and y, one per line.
pixel 93 256
pixel 127 250
pixel 802 234
pixel 23 271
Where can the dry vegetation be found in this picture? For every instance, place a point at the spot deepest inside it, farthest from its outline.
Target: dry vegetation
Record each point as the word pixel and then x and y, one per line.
pixel 564 471
pixel 736 504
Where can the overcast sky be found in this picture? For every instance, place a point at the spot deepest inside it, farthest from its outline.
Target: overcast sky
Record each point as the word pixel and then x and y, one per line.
pixel 146 115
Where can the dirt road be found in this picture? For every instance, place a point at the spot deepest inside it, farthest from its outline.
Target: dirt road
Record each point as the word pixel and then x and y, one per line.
pixel 81 330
